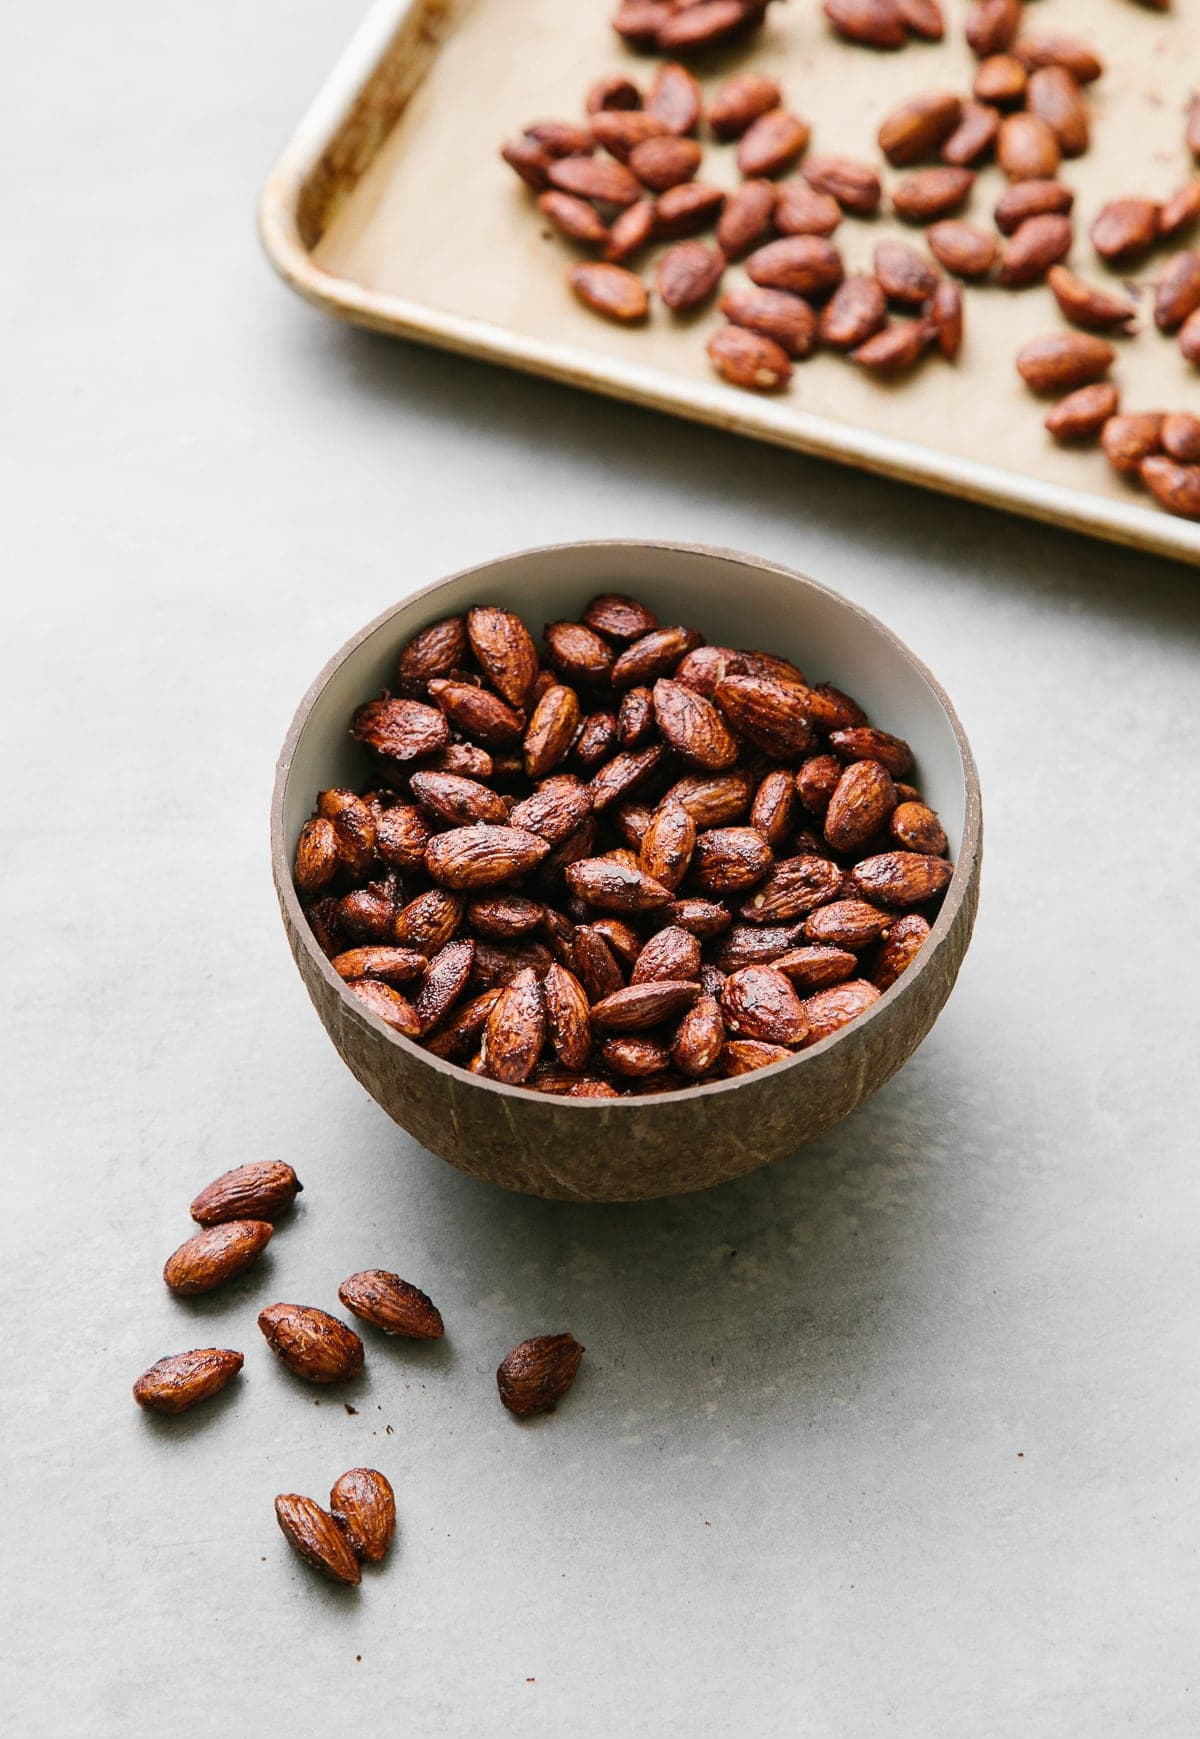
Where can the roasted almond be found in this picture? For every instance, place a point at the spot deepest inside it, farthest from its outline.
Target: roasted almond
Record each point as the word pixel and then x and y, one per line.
pixel 1087 305
pixel 855 186
pixel 1082 414
pixel 741 1056
pixel 1000 78
pixel 1180 211
pixel 630 231
pixel 614 91
pixel 551 730
pixel 923 18
pixel 505 917
pixel 260 1190
pixel 756 945
pixel 174 1384
pixel 896 349
pixel 389 1303
pixel 759 1003
pixel 918 127
pixel 311 1343
pixel 865 743
pixel 1189 339
pixel 610 290
pixel 697 26
pixel 806 264
pixel 459 1034
pixel 314 1534
pixel 991 25
pixel 776 314
pixel 516 1030
pixel 860 806
pixel 916 827
pixel 685 209
pixel 772 142
pixel 444 982
pixel 1131 437
pixel 816 967
pixel 746 218
pixel 635 717
pixel 739 101
pixel 801 210
pixel 456 800
pixel 1026 148
pixel 749 359
pixel 1177 292
pixel 699 1038
pixel 672 954
pixel 873 23
pixel 402 835
pixel 537 1373
pixel 856 310
pixel 400 730
pixel 728 859
pixel 217 1254
pixel 1062 361
pixel 773 811
pixel 619 617
pixel 577 652
pixel 667 845
pixel 1026 199
pixel 653 654
pixel 829 1010
pixel 639 21
pixel 530 160
pixel 713 800
pixel 388 1006
pixel 974 136
pixel 704 918
pixel 1030 252
pixel 898 949
pixel 1056 97
pixel 1175 487
pixel 560 138
pixel 615 887
pixel 363 1505
pixel 904 275
pixel 795 887
pixel 693 727
pixel 428 922
pixel 675 98
pixel 477 712
pixel 962 248
pixel 1042 48
pixel 568 1021
pixel 816 781
pixel 1181 437
pixel 901 878
pixel 482 856
pixel 664 162
pixel 1125 228
pixel 767 713
pixel 623 774
pixel 621 131
pixel 317 859
pixel 573 217
pixel 846 924
pixel 505 650
pixel 434 651
pixel 688 273
pixel 598 178
pixel 932 193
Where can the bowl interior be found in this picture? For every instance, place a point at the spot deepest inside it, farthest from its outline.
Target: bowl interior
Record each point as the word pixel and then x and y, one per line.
pixel 732 599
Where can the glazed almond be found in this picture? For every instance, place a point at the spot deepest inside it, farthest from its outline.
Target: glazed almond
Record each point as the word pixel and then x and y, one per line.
pixel 749 359
pixel 175 1384
pixel 739 101
pixel 759 1003
pixel 537 1373
pixel 260 1190
pixel 1082 414
pixel 637 1006
pixel 387 1302
pixel 861 805
pixel 779 315
pixel 311 1343
pixel 1063 361
pixel 901 878
pixel 918 127
pixel 516 1029
pixel 827 1011
pixel 693 727
pixel 216 1255
pixel 610 290
pixel 1088 305
pixel 363 1505
pixel 314 1534
pixel 482 856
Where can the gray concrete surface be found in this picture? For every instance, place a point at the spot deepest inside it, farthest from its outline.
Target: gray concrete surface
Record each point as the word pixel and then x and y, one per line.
pixel 898 1438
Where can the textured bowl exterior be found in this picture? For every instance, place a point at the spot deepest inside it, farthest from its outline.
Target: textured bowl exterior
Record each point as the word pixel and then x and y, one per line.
pixel 655 1145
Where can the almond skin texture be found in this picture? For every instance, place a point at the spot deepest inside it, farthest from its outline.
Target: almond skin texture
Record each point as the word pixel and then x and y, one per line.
pixel 388 1006
pixel 622 131
pixel 932 193
pixel 595 178
pixel 260 1190
pixel 828 1010
pixel 896 349
pixel 638 1006
pixel 482 856
pixel 749 359
pixel 573 217
pixel 1177 293
pixel 610 290
pixel 1044 49
pixel 1026 199
pixel 873 23
pixel 901 878
pixel 451 798
pixel 315 1535
pixel 1175 487
pixel 516 1030
pixel 898 950
pixel 795 887
pixel 904 275
pixel 1125 229
pixel 615 887
pixel 653 655
pixel 537 1373
pixel 697 27
pixel 1180 211
pixel 551 731
pixel 667 845
pixel 1189 339
pixel 664 162
pixel 739 101
pixel 614 92
pixel 801 210
pixel 693 727
pixel 699 1038
pixel 991 25
pixel 434 651
pixel 619 617
pixel 962 248
pixel 776 314
pixel 1026 148
pixel 363 1505
pixel 1087 305
pixel 671 955
pixel 311 1343
pixel 771 143
pixel 505 649
pixel 847 924
pixel 759 1003
pixel 631 230
pixel 688 274
pixel 742 1056
pixel 216 1255
pixel 1033 249
pixel 1063 361
pixel 746 218
pixel 478 713
pixel 854 185
pixel 861 805
pixel 806 264
pixel 429 922
pixel 400 730
pixel 684 210
pixel 1081 415
pixel 317 857
pixel 174 1384
pixel 389 1303
pixel 729 859
pixel 855 312
pixel 916 827
pixel 918 127
pixel 815 968
pixel 1000 79
pixel 568 1020
pixel 770 715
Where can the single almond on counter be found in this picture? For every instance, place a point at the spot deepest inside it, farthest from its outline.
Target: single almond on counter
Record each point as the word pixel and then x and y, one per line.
pixel 260 1190
pixel 537 1373
pixel 314 1534
pixel 389 1303
pixel 363 1505
pixel 174 1384
pixel 216 1255
pixel 311 1343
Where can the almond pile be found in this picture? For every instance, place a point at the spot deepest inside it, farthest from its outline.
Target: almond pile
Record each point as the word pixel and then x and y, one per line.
pixel 631 177
pixel 627 863
pixel 237 1211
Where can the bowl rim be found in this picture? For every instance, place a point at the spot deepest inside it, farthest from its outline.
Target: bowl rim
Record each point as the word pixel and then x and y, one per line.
pixel 965 868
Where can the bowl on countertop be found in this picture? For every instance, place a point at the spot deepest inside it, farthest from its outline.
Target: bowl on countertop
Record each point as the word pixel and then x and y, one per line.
pixel 629 1149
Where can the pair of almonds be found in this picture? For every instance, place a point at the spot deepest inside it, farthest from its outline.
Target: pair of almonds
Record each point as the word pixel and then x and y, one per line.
pixel 358 1526
pixel 237 1211
pixel 320 1348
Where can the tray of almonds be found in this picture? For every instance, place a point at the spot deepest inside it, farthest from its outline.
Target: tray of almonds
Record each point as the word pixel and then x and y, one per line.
pixel 956 243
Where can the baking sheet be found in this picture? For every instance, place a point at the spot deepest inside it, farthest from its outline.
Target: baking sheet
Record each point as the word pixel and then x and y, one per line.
pixel 391 207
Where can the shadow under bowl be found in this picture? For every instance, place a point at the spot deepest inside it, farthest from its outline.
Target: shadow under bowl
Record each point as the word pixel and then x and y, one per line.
pixel 606 1150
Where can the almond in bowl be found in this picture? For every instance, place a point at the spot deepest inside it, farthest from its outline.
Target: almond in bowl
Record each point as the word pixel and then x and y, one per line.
pixel 618 870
